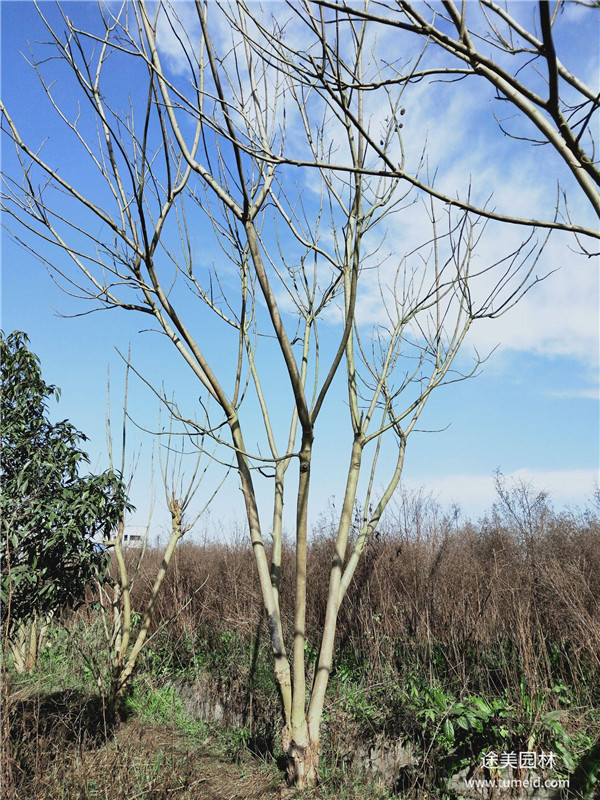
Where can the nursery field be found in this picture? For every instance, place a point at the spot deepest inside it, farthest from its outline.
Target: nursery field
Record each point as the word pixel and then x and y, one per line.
pixel 344 249
pixel 457 640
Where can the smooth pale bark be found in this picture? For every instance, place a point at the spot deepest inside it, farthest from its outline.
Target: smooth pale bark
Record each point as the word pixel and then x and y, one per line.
pixel 277 532
pixel 125 671
pixel 369 527
pixel 32 652
pixel 122 602
pixel 298 701
pixel 27 643
pixel 302 753
pixel 281 666
pixel 315 712
pixel 18 649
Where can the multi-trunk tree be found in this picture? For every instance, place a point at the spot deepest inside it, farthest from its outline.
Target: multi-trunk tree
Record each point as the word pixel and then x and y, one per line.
pixel 246 186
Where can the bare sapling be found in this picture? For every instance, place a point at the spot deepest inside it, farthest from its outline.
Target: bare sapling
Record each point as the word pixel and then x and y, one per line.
pixel 126 644
pixel 28 641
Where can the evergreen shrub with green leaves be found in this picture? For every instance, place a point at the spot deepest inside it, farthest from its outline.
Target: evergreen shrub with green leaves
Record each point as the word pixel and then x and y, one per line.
pixel 51 514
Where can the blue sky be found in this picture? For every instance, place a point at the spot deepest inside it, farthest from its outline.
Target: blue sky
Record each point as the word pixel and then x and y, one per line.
pixel 533 411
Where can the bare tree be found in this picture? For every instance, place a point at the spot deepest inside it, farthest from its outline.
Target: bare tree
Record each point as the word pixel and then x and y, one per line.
pixel 237 147
pixel 124 644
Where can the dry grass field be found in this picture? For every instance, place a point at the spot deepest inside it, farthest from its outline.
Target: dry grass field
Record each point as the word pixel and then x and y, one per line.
pixel 455 637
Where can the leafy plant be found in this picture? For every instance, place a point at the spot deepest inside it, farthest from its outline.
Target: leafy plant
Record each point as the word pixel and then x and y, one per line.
pixel 362 706
pixel 161 704
pixel 50 513
pixel 235 741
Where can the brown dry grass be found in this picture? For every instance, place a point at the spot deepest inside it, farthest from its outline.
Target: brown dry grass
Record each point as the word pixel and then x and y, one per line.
pixel 482 606
pixel 505 606
pixel 61 751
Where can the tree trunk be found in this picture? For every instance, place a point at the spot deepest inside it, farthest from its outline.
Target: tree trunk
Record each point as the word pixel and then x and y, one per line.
pixel 32 651
pixel 17 647
pixel 302 756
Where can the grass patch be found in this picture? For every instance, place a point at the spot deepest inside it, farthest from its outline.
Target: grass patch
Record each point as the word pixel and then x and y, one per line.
pixel 162 706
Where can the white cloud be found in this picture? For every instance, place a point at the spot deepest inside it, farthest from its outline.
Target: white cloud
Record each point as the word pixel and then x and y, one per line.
pixel 177 30
pixel 559 317
pixel 577 394
pixel 476 493
pixel 576 12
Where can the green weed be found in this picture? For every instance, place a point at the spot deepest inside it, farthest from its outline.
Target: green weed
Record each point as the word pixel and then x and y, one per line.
pixel 162 705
